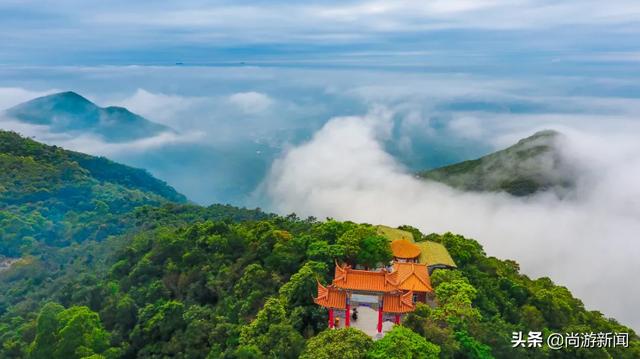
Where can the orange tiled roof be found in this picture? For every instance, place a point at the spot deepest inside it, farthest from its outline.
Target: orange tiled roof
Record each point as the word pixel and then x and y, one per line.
pixel 330 297
pixel 413 276
pixel 402 248
pixel 398 303
pixel 372 281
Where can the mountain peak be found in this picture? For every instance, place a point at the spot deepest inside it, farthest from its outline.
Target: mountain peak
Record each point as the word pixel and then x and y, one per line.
pixel 118 110
pixel 531 165
pixel 68 95
pixel 71 112
pixel 67 99
pixel 546 134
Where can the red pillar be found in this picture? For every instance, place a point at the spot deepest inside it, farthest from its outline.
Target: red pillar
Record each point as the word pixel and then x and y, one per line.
pixel 331 321
pixel 397 319
pixel 347 317
pixel 380 318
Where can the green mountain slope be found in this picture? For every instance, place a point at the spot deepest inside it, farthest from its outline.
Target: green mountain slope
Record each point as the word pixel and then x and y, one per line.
pixel 55 197
pixel 69 112
pixel 243 289
pixel 184 281
pixel 533 164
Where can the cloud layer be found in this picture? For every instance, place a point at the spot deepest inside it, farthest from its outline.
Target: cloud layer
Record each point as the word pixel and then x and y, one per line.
pixel 589 243
pixel 234 121
pixel 357 32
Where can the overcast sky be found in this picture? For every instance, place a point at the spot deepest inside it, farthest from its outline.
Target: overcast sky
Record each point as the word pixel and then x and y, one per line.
pixel 494 34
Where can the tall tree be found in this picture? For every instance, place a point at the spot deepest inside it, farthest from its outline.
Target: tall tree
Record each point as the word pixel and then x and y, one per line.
pixel 402 342
pixel 346 343
pixel 47 329
pixel 69 333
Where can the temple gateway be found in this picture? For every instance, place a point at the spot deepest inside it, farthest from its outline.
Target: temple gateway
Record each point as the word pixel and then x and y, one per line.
pixel 393 290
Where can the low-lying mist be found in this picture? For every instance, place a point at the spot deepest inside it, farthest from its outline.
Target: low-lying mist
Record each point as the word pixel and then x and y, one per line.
pixel 587 241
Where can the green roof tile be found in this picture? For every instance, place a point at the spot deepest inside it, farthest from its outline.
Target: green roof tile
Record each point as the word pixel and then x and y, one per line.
pixel 433 253
pixel 393 233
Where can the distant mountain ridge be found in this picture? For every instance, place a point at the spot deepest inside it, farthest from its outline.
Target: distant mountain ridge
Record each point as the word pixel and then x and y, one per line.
pixel 532 165
pixel 71 112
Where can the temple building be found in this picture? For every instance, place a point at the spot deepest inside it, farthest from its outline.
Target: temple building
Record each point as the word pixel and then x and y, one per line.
pixel 406 249
pixel 392 293
pixel 393 290
pixel 435 256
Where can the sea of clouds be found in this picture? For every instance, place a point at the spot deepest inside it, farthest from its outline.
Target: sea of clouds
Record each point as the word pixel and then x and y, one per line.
pixel 346 144
pixel 589 242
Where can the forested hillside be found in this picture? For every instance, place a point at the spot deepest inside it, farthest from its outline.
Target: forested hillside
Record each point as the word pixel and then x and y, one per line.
pixel 533 164
pixel 53 197
pixel 243 289
pixel 116 269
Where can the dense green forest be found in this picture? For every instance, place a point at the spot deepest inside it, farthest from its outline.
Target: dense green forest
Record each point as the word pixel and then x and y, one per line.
pixel 53 197
pixel 184 281
pixel 228 288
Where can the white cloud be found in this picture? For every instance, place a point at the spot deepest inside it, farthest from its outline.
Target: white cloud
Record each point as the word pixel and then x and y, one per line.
pixel 159 107
pixel 251 102
pixel 467 127
pixel 362 19
pixel 94 145
pixel 208 32
pixel 589 244
pixel 11 96
pixel 29 130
